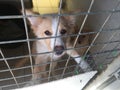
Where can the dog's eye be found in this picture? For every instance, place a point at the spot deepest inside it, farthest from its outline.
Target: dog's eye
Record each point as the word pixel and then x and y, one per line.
pixel 63 31
pixel 48 33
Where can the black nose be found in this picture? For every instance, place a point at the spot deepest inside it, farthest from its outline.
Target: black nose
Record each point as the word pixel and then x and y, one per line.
pixel 59 50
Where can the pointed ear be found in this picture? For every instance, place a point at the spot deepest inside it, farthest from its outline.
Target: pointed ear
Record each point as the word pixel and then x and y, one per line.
pixel 32 18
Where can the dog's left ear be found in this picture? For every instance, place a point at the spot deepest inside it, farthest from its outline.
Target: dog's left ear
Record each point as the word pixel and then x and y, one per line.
pixel 31 17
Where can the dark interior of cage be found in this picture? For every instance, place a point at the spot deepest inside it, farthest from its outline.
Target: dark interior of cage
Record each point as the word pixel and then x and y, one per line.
pixel 14 45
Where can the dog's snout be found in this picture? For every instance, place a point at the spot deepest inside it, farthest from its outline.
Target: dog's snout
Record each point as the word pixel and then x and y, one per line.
pixel 59 50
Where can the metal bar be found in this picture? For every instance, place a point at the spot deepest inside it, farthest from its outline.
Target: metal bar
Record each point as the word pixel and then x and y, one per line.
pixel 113 49
pixel 25 67
pixel 106 20
pixel 63 14
pixel 59 12
pixel 63 68
pixel 66 66
pixel 89 9
pixel 70 35
pixel 111 39
pixel 95 44
pixel 28 75
pixel 113 33
pixel 26 29
pixel 108 40
pixel 101 29
pixel 29 81
pixel 93 55
pixel 98 33
pixel 105 51
pixel 9 67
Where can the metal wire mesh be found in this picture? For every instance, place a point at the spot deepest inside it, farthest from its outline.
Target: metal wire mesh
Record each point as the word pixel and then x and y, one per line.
pixel 103 48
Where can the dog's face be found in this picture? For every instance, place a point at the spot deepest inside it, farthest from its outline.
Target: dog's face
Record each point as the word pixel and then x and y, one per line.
pixel 50 27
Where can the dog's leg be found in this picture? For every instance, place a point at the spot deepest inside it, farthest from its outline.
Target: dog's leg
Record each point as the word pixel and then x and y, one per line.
pixel 41 62
pixel 54 64
pixel 36 77
pixel 38 71
pixel 83 64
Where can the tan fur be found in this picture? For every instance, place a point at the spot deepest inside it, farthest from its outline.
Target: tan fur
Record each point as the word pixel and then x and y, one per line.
pixel 39 25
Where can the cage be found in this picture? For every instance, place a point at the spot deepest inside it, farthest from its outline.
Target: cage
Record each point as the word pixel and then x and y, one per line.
pixel 100 17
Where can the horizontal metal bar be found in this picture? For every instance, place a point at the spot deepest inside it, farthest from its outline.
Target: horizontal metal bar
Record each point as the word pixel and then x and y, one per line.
pixel 107 51
pixel 63 14
pixel 29 81
pixel 28 75
pixel 95 44
pixel 31 74
pixel 27 67
pixel 69 35
pixel 8 66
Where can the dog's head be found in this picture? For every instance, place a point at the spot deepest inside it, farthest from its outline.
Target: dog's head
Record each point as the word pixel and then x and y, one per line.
pixel 50 27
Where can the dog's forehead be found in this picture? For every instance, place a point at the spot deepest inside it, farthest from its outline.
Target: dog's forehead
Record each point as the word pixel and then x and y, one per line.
pixel 51 24
pixel 54 21
pixel 54 24
pixel 45 24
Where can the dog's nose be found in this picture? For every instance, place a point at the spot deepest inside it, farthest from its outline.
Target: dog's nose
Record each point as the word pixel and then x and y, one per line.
pixel 59 50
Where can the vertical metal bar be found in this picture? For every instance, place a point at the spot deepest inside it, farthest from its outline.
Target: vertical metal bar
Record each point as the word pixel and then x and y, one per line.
pixel 89 9
pixel 9 67
pixel 59 12
pixel 26 30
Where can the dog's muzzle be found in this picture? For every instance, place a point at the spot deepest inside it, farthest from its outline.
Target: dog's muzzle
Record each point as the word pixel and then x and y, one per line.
pixel 59 50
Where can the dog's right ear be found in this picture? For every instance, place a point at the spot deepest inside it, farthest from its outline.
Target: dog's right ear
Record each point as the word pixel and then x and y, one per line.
pixel 32 18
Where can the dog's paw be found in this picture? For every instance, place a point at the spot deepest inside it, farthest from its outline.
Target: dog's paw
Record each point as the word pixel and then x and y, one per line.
pixel 30 83
pixel 33 82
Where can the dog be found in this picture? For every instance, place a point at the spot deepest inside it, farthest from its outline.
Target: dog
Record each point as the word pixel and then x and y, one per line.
pixel 51 26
